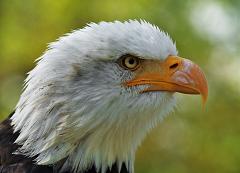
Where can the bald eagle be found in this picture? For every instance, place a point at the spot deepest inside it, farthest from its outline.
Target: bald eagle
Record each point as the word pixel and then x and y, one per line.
pixel 92 98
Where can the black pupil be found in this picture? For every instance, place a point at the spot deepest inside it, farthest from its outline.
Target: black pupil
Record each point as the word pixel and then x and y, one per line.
pixel 131 61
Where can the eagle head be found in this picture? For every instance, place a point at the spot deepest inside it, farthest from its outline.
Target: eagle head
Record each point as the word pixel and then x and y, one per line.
pixel 96 92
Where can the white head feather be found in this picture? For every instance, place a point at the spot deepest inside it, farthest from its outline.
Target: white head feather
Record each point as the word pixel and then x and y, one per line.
pixel 74 105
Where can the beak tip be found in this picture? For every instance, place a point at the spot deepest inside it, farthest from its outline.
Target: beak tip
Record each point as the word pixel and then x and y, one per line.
pixel 204 94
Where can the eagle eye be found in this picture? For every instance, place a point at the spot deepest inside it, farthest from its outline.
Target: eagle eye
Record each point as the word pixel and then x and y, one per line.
pixel 129 62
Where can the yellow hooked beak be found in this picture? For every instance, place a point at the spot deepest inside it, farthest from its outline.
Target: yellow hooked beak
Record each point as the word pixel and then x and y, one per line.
pixel 175 74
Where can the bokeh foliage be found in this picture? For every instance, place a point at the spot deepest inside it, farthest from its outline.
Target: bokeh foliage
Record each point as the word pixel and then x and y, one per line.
pixel 190 140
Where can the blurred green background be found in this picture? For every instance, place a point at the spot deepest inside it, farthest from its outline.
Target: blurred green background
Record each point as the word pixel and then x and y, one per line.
pixel 190 140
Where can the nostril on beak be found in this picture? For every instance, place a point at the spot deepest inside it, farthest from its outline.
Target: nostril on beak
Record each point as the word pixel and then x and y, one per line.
pixel 175 65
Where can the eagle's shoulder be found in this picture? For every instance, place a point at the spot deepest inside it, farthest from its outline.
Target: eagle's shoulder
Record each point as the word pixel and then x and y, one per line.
pixel 7 146
pixel 11 163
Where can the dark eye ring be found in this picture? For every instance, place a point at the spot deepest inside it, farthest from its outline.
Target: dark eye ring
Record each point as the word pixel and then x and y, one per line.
pixel 129 62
